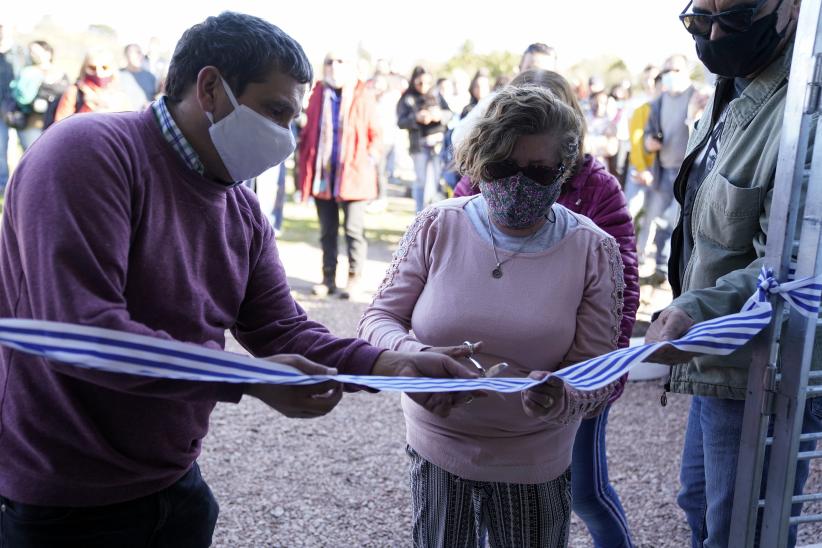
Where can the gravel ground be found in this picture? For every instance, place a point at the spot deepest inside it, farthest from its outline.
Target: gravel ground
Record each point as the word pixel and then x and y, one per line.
pixel 341 480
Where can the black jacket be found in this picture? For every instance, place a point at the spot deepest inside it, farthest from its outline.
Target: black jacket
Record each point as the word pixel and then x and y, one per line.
pixel 409 105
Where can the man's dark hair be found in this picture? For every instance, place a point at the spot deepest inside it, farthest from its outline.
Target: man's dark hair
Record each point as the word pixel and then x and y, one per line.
pixel 539 47
pixel 244 49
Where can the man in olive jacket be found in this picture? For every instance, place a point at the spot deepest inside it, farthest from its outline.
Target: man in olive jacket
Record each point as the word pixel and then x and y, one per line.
pixel 725 188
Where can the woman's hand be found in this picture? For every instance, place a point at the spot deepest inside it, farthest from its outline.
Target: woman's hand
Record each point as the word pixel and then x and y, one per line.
pixel 460 351
pixel 428 364
pixel 423 117
pixel 541 400
pixel 466 351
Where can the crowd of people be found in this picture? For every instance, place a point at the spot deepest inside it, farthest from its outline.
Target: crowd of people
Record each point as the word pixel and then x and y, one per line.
pixel 34 94
pixel 146 222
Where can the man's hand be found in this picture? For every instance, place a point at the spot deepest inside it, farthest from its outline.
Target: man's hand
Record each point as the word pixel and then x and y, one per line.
pixel 428 364
pixel 299 402
pixel 652 144
pixel 671 324
pixel 541 399
pixel 645 178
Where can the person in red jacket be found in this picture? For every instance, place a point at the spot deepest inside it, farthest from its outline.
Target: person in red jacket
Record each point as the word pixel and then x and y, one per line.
pixel 592 191
pixel 338 154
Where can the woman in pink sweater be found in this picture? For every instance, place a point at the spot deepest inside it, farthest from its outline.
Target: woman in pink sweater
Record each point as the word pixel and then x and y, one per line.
pixel 595 193
pixel 542 287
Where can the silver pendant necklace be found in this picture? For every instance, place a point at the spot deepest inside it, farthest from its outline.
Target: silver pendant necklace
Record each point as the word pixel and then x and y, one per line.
pixel 496 273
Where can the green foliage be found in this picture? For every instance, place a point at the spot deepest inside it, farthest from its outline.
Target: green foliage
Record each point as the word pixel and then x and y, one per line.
pixel 467 59
pixel 612 70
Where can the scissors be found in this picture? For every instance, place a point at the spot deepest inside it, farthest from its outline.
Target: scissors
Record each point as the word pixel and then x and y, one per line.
pixel 492 372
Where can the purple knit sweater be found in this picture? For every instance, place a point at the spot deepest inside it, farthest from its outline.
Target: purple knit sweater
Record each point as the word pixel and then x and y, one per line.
pixel 105 226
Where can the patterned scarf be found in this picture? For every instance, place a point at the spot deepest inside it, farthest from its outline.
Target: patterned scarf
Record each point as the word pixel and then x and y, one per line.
pixel 325 145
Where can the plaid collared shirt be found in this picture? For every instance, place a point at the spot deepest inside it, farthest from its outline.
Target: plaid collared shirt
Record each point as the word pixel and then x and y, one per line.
pixel 175 137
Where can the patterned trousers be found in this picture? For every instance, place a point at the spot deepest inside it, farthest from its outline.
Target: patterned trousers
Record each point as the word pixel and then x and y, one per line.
pixel 450 512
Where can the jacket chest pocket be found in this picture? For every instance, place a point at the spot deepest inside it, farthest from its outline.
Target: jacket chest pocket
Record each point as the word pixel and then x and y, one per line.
pixel 730 214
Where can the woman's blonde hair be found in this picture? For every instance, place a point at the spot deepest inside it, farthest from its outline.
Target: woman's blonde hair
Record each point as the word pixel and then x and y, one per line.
pixel 517 111
pixel 560 87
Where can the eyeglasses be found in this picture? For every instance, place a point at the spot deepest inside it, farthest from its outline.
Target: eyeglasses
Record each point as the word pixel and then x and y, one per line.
pixel 735 20
pixel 543 175
pixel 329 62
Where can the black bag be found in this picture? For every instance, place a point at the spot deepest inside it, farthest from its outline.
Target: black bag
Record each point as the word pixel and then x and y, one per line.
pixel 12 115
pixel 51 94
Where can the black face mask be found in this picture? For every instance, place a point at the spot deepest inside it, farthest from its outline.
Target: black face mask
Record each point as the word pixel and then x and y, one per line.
pixel 741 54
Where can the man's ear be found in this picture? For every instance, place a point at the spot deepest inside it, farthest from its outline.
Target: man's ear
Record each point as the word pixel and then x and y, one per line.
pixel 208 87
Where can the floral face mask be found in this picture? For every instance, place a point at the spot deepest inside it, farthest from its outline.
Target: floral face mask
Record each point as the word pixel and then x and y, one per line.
pixel 517 201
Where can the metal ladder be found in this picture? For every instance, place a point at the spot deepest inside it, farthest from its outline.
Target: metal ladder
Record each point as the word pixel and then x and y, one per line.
pixel 780 371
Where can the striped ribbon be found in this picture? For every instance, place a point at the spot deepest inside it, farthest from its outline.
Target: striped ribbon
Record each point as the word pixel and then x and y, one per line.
pixel 119 352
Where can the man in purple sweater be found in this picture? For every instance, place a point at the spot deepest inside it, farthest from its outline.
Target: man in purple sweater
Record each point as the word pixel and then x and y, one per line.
pixel 136 222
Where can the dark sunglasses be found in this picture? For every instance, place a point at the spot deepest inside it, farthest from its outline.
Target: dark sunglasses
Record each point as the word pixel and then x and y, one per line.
pixel 732 21
pixel 543 175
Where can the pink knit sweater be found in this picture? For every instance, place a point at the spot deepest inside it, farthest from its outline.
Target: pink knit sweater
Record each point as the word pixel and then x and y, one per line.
pixel 550 309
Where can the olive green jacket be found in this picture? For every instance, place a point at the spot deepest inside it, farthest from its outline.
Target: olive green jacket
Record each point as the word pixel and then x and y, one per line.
pixel 729 224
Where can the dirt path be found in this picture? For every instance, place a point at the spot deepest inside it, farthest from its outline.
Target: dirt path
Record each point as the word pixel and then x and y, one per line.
pixel 341 480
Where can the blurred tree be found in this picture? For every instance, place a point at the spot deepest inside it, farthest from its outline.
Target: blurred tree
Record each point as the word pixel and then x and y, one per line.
pixel 612 70
pixel 498 63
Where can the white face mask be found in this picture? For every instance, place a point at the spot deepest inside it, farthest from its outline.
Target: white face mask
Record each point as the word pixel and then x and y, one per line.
pixel 248 143
pixel 676 82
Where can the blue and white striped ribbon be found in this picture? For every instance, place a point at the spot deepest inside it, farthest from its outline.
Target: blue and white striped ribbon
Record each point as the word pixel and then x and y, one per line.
pixel 119 352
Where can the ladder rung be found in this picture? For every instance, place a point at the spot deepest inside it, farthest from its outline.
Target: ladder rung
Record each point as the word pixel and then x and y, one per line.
pixel 807 498
pixel 815 374
pixel 806 519
pixel 814 391
pixel 795 500
pixel 808 455
pixel 813 436
pixel 810 437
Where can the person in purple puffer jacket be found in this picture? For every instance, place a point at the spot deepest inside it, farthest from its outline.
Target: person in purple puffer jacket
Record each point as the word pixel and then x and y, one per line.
pixel 591 191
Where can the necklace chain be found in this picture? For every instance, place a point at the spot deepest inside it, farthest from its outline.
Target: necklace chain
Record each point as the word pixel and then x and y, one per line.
pixel 497 271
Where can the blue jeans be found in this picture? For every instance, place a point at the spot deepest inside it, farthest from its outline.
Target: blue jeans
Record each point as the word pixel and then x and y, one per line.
pixel 28 136
pixel 709 461
pixel 634 193
pixel 592 497
pixel 276 215
pixel 428 167
pixel 180 516
pixel 4 157
pixel 662 210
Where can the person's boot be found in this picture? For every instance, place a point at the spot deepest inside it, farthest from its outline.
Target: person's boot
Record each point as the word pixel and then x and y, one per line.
pixel 328 287
pixel 351 287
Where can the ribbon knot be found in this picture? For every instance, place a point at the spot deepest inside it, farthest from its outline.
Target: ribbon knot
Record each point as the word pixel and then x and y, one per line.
pixel 767 284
